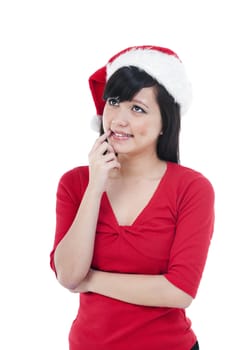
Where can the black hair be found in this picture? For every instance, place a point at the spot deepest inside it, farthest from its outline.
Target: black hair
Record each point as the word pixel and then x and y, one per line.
pixel 125 83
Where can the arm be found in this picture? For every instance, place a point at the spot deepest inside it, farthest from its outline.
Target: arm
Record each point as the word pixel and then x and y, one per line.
pixel 178 286
pixel 146 290
pixel 73 254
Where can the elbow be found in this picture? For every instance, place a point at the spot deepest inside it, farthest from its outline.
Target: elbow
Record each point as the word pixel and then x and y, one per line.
pixel 67 274
pixel 176 297
pixel 185 301
pixel 69 280
pixel 182 299
pixel 177 301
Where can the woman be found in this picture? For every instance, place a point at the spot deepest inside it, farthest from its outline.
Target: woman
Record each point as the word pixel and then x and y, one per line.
pixel 134 227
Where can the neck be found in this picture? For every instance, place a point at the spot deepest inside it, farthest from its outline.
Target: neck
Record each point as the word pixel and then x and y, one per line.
pixel 139 166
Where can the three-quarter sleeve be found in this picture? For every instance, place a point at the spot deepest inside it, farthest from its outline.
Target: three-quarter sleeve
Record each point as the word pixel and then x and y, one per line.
pixel 68 198
pixel 194 229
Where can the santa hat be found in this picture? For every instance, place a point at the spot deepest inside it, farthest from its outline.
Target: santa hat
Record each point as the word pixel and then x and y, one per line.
pixel 161 63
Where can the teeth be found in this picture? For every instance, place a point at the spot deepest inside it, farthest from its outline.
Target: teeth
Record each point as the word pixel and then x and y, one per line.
pixel 121 135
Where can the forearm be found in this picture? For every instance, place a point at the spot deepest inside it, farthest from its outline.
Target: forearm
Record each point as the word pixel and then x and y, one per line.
pixel 73 254
pixel 144 290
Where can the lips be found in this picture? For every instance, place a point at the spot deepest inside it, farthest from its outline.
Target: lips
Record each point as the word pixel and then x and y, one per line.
pixel 120 135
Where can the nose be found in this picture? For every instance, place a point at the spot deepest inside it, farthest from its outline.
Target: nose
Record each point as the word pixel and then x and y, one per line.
pixel 119 122
pixel 120 119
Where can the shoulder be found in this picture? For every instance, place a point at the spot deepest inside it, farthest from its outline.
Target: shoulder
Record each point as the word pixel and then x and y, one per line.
pixel 75 174
pixel 188 179
pixel 186 174
pixel 74 180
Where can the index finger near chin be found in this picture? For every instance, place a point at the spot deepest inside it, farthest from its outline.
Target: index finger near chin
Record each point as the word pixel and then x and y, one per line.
pixel 99 141
pixel 110 148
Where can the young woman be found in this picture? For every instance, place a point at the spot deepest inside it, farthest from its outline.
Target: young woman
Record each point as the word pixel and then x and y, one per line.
pixel 134 226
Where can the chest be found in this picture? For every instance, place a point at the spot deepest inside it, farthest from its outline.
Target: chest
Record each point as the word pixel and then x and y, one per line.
pixel 141 247
pixel 128 201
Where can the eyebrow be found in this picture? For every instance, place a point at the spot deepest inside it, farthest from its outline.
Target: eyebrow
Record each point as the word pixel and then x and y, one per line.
pixel 140 102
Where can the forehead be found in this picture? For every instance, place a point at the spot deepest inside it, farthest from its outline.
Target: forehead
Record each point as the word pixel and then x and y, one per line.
pixel 147 94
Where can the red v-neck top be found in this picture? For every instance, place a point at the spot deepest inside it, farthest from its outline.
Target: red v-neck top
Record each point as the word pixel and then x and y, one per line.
pixel 169 237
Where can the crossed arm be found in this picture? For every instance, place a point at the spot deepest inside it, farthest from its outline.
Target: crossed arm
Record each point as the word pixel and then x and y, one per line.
pixel 146 290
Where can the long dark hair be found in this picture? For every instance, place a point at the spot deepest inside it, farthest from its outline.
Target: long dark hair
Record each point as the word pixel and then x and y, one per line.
pixel 125 83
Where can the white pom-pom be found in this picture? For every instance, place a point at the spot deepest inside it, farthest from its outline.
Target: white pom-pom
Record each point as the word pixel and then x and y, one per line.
pixel 96 123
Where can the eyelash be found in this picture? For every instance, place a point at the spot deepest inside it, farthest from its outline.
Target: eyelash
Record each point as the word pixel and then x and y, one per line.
pixel 141 110
pixel 115 102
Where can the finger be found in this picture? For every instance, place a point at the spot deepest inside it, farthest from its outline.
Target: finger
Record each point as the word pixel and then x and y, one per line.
pixel 102 149
pixel 100 140
pixel 99 150
pixel 109 157
pixel 114 164
pixel 110 149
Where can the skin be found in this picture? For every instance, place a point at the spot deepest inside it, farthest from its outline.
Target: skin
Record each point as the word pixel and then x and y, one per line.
pixel 122 159
pixel 140 118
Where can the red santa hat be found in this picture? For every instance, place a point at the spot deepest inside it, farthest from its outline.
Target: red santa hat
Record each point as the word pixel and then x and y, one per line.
pixel 161 63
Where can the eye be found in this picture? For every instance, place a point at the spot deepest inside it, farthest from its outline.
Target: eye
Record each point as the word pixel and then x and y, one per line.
pixel 138 109
pixel 113 101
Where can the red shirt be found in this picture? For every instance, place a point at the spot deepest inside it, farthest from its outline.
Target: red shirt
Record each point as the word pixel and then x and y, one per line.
pixel 170 236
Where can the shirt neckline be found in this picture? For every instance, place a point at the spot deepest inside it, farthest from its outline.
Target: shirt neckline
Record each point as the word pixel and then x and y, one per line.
pixel 145 208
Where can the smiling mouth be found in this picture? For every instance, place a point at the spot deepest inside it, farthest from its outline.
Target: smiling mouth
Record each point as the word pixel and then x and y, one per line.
pixel 120 135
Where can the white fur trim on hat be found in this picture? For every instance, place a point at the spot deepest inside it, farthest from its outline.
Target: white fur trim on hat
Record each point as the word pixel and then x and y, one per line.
pixel 95 123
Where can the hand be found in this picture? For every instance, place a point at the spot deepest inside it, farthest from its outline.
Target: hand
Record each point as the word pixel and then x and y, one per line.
pixel 102 159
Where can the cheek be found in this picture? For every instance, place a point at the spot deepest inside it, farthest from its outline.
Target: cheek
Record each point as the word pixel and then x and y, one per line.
pixel 106 118
pixel 142 130
pixel 140 126
pixel 150 130
pixel 105 122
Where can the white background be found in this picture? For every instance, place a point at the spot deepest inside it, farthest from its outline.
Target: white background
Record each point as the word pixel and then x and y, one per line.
pixel 48 49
